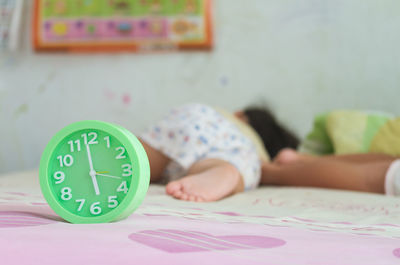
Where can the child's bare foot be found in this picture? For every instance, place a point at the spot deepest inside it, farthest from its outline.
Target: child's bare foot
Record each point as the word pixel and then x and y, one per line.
pixel 210 185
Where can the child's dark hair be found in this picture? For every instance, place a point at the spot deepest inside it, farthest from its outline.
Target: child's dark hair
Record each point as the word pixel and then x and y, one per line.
pixel 274 135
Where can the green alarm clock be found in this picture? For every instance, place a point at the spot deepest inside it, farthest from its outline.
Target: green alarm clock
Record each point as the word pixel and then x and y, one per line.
pixel 94 172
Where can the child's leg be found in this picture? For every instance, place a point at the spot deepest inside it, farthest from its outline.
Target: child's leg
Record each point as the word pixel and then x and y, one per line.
pixel 363 158
pixel 207 180
pixel 329 172
pixel 288 155
pixel 158 161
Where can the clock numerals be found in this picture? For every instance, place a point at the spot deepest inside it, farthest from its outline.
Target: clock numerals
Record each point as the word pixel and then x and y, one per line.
pixel 59 176
pixel 104 203
pixel 121 154
pixel 81 203
pixel 66 194
pixel 107 139
pixel 112 201
pixel 90 138
pixel 95 208
pixel 67 160
pixel 71 145
pixel 123 187
pixel 126 170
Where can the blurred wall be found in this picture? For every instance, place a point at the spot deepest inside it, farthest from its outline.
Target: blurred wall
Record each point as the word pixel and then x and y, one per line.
pixel 301 56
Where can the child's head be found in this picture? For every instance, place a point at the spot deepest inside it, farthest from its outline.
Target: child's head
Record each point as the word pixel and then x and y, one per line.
pixel 274 135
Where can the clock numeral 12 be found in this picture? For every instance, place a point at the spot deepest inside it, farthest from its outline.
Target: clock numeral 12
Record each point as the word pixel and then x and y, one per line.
pixel 92 140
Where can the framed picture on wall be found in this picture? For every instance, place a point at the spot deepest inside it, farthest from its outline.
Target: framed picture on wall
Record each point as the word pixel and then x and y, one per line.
pixel 122 25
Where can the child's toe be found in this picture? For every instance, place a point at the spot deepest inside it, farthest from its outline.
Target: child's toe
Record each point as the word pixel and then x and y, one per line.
pixel 177 194
pixel 184 197
pixel 173 187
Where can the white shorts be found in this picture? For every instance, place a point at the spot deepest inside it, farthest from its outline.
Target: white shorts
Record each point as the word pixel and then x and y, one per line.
pixel 194 132
pixel 392 179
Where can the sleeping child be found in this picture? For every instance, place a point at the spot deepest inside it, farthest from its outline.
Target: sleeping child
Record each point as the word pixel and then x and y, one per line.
pixel 206 154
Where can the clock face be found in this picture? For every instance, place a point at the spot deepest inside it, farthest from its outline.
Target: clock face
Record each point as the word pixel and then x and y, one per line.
pixel 91 173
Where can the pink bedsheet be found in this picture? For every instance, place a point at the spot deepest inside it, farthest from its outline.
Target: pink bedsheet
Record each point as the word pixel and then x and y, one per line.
pixel 266 226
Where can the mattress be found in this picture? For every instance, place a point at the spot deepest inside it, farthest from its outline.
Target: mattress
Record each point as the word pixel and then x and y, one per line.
pixel 269 225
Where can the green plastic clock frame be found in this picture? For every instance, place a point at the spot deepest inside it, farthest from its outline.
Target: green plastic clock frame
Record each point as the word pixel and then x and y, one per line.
pixel 140 176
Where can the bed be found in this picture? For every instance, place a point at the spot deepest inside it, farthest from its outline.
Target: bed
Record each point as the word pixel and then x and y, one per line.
pixel 270 225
